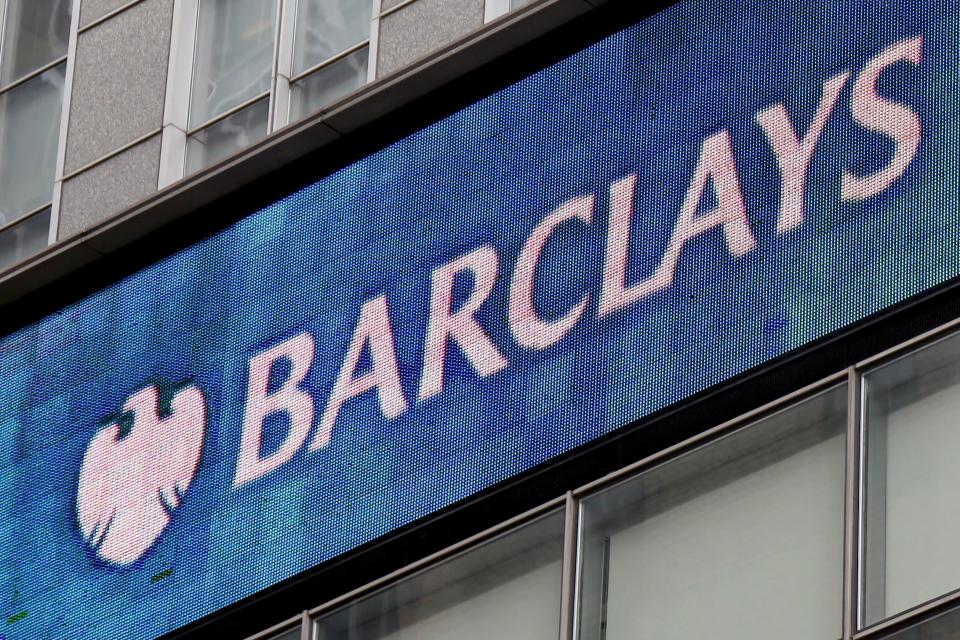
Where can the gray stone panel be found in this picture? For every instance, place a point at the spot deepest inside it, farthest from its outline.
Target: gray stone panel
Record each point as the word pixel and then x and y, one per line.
pixel 386 5
pixel 417 29
pixel 109 187
pixel 91 10
pixel 119 82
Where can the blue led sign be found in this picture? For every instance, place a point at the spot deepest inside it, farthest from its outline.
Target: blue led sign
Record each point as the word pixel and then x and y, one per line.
pixel 680 202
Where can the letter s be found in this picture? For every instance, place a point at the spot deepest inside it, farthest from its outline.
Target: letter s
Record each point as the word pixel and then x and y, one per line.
pixel 893 119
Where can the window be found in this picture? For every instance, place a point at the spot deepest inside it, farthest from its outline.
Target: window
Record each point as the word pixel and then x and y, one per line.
pixel 911 521
pixel 330 52
pixel 507 589
pixel 832 517
pixel 33 64
pixel 230 91
pixel 255 66
pixel 939 627
pixel 739 539
pixel 241 69
pixel 292 634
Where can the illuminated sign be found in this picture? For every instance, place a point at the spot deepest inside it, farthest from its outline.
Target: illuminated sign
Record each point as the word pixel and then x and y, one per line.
pixel 681 202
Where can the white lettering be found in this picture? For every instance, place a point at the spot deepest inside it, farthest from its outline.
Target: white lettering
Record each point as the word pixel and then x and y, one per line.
pixel 716 163
pixel 794 155
pixel 289 398
pixel 460 326
pixel 529 329
pixel 875 113
pixel 373 328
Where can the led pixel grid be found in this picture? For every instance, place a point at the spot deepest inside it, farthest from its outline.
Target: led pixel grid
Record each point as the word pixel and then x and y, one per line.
pixel 680 202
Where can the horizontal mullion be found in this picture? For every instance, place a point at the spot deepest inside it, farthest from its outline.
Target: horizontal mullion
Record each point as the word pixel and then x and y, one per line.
pixel 24 216
pixel 229 112
pixel 329 61
pixel 909 618
pixel 396 7
pixel 33 74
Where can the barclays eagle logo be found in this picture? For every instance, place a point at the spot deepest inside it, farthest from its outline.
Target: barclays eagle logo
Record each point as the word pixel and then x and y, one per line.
pixel 136 470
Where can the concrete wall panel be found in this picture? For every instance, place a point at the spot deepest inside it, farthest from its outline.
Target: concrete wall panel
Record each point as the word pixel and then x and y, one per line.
pixel 109 187
pixel 414 31
pixel 119 82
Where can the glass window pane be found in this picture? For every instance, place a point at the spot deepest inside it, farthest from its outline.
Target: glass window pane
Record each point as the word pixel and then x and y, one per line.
pixel 224 138
pixel 912 478
pixel 22 240
pixel 292 634
pixel 35 34
pixel 234 55
pixel 506 589
pixel 745 534
pixel 945 626
pixel 29 130
pixel 329 83
pixel 327 27
pixel 518 3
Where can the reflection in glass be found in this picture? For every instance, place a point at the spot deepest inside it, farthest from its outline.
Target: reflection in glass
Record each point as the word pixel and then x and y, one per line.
pixel 911 524
pixel 327 27
pixel 506 589
pixel 945 626
pixel 233 57
pixel 29 130
pixel 25 238
pixel 334 81
pixel 35 34
pixel 740 539
pixel 292 634
pixel 518 3
pixel 224 138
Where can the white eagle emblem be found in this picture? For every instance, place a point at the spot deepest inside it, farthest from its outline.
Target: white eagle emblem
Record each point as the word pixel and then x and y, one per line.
pixel 131 483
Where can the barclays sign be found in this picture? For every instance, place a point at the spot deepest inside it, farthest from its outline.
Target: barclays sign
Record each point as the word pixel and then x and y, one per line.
pixel 683 201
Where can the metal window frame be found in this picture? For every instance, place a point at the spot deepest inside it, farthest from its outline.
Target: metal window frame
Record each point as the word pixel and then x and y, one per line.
pixel 180 70
pixel 458 549
pixel 68 58
pixel 363 44
pixel 286 76
pixel 176 107
pixel 176 129
pixel 23 217
pixel 232 111
pixel 924 610
pixel 571 504
pixel 16 82
pixel 39 71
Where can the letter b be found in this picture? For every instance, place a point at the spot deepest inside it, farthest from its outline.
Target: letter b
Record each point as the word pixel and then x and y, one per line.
pixel 288 398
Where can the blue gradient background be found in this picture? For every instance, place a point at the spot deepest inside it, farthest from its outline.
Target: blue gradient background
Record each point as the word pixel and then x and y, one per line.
pixel 640 100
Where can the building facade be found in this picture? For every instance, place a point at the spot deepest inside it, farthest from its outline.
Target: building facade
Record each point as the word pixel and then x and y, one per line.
pixel 479 318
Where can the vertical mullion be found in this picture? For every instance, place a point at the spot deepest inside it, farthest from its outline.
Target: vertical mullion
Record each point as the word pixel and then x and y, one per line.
pixel 305 621
pixel 852 504
pixel 604 589
pixel 571 547
pixel 280 111
pixel 873 515
pixel 64 121
pixel 4 8
pixel 277 31
pixel 374 47
pixel 176 107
